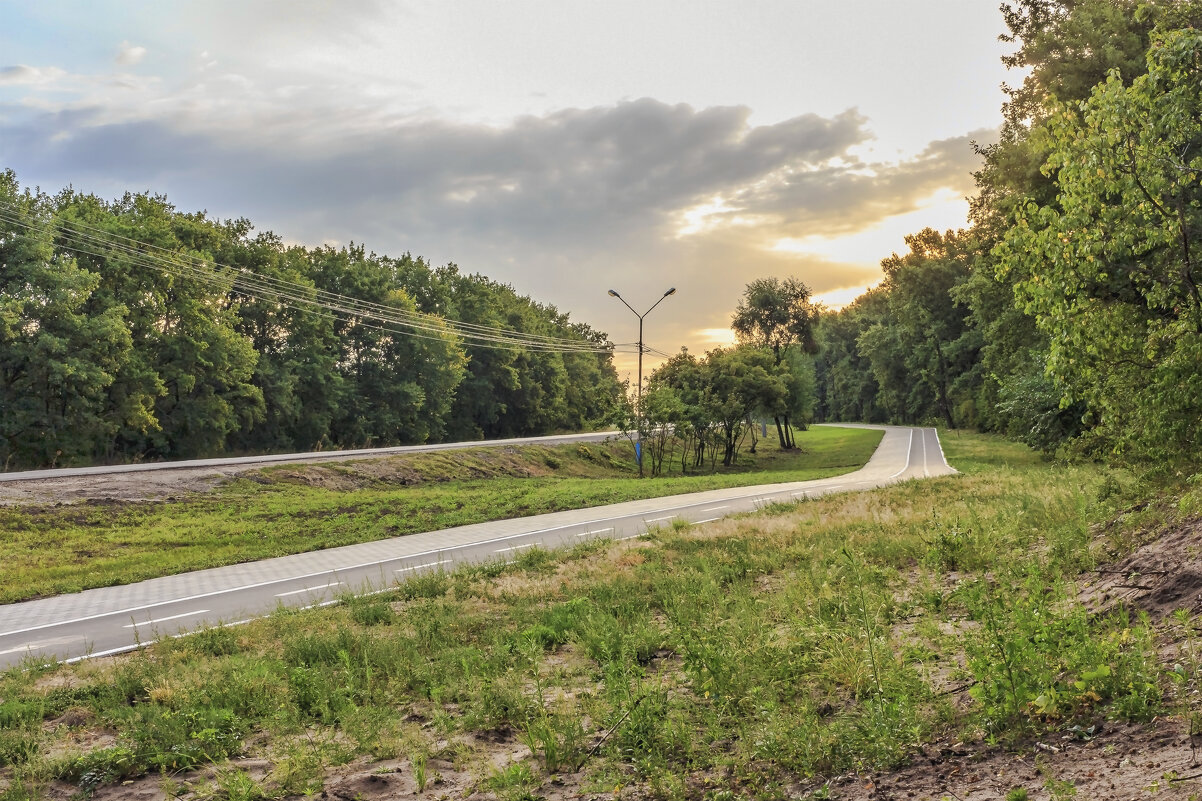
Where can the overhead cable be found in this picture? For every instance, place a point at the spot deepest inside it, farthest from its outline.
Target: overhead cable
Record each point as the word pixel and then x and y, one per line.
pixel 298 296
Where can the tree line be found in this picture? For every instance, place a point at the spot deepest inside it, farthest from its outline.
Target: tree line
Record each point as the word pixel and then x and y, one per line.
pixel 111 351
pixel 1069 312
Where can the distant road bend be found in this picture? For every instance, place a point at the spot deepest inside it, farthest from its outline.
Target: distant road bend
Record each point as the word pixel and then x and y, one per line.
pixel 112 620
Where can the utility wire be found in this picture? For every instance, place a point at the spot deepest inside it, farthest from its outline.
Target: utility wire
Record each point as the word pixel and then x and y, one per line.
pixel 273 284
pixel 290 291
pixel 309 305
pixel 253 285
pixel 300 297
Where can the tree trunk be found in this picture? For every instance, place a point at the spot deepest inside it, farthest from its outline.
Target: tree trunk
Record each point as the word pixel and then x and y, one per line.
pixel 944 404
pixel 780 433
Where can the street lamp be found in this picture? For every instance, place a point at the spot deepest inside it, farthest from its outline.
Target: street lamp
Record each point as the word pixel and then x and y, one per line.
pixel 639 401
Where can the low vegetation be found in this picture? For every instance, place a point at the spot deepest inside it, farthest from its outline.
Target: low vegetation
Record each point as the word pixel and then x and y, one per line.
pixel 292 509
pixel 761 656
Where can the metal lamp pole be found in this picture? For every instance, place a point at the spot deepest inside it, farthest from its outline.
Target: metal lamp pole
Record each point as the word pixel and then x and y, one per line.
pixel 639 401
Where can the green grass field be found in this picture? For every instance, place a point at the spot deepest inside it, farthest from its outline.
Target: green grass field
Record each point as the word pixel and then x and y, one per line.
pixel 756 656
pixel 297 508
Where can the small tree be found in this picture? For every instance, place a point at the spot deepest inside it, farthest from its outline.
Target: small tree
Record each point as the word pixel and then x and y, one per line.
pixel 741 380
pixel 663 411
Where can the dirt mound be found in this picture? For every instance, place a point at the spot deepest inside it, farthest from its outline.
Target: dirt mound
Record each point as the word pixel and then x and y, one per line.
pixel 1121 762
pixel 1159 577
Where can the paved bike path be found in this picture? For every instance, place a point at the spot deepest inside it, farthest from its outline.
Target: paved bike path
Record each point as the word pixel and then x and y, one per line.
pixel 115 619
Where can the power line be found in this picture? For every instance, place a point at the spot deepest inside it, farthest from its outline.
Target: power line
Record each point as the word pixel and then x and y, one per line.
pixel 300 297
pixel 286 292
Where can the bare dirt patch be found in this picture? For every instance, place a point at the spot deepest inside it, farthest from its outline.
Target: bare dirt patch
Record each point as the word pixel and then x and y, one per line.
pixel 1159 577
pixel 333 473
pixel 154 485
pixel 1122 762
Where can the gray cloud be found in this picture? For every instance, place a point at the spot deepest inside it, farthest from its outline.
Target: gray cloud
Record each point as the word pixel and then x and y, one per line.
pixel 562 174
pixel 23 74
pixel 562 205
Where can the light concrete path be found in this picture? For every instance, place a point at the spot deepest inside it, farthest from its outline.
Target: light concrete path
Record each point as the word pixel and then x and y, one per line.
pixel 115 619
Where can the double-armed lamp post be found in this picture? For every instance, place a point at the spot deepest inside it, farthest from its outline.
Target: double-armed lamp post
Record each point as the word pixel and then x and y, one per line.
pixel 639 400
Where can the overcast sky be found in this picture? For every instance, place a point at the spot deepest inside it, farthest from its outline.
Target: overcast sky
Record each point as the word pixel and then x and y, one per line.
pixel 563 146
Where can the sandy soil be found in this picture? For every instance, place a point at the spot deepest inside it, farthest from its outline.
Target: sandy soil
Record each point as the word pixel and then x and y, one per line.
pixel 1159 577
pixel 179 482
pixel 1120 762
pixel 146 486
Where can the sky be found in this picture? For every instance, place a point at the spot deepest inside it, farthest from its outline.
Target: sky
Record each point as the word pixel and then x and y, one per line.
pixel 565 147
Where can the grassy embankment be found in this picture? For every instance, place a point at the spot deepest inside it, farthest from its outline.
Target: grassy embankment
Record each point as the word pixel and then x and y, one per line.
pixel 756 655
pixel 295 508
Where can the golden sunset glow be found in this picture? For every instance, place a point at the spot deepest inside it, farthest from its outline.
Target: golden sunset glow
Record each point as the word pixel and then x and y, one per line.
pixel 944 210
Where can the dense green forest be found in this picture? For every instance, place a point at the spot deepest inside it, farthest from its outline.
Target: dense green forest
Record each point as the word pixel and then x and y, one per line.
pixel 1069 312
pixel 130 330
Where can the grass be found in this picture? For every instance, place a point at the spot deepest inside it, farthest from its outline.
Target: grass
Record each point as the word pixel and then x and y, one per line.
pixel 751 656
pixel 292 509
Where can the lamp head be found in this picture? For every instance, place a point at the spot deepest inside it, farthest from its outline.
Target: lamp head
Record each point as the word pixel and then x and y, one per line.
pixel 615 294
pixel 671 291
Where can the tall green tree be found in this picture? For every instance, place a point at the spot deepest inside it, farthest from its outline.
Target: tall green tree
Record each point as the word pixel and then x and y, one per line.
pixel 515 391
pixel 847 388
pixel 740 381
pixel 778 315
pixel 187 385
pixel 677 393
pixel 400 382
pixel 1065 48
pixel 933 339
pixel 58 357
pixel 298 350
pixel 1110 271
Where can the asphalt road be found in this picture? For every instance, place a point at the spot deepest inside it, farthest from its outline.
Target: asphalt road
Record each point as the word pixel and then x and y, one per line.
pixel 116 619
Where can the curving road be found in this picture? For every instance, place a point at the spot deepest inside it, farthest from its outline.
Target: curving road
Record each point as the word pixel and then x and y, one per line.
pixel 115 619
